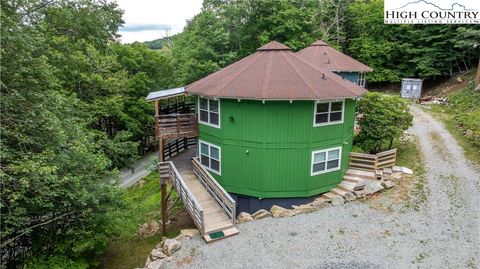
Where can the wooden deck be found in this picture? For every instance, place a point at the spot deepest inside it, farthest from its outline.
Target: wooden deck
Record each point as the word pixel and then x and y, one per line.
pixel 214 216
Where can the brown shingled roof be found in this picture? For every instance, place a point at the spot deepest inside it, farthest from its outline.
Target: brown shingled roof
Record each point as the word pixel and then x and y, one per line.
pixel 321 54
pixel 274 72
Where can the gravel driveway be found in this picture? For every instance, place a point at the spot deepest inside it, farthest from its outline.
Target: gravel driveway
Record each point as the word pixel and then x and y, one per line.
pixel 441 230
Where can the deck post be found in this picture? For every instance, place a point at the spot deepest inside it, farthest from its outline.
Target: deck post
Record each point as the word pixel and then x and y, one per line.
pixel 163 183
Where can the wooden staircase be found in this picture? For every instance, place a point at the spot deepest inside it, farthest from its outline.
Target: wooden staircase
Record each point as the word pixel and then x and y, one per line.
pixel 352 180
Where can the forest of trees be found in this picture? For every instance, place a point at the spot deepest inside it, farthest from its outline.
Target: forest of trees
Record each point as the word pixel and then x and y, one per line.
pixel 73 106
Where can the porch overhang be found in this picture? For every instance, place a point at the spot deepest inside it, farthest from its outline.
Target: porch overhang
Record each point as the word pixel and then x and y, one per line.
pixel 164 94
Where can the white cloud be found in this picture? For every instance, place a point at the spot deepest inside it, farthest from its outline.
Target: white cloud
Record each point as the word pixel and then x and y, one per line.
pixel 144 18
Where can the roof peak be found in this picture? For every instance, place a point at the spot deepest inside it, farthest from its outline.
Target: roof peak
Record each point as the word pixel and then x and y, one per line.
pixel 273 45
pixel 319 43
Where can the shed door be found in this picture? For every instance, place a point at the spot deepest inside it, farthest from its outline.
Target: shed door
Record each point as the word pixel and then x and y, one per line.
pixel 407 91
pixel 415 92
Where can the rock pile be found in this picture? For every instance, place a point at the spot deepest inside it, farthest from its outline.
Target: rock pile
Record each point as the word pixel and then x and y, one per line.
pixel 148 229
pixel 164 250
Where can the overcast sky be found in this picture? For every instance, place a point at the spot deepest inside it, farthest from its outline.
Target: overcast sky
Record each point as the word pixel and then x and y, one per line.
pixel 144 19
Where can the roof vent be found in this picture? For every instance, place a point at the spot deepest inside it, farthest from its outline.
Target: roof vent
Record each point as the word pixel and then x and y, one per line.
pixel 323 75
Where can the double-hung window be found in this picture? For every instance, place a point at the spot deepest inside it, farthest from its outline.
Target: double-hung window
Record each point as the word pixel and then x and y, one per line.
pixel 328 113
pixel 210 156
pixel 326 160
pixel 361 80
pixel 209 112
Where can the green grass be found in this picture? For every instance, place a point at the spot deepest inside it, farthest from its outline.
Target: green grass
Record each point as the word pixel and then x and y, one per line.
pixel 410 155
pixel 447 115
pixel 143 203
pixel 413 190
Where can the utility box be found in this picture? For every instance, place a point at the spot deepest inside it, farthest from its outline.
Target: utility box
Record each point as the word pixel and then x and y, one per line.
pixel 411 88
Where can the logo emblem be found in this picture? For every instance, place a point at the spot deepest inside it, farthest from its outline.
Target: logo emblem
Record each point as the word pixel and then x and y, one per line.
pixel 432 11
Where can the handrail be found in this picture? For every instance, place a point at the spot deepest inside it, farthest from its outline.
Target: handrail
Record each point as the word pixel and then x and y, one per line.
pixel 215 189
pixel 190 202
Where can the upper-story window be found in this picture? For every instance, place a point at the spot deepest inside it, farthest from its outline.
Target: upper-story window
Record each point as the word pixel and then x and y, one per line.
pixel 209 112
pixel 361 80
pixel 328 112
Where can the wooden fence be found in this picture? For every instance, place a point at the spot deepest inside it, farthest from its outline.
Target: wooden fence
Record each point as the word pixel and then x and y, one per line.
pixel 177 125
pixel 216 190
pixel 189 201
pixel 372 162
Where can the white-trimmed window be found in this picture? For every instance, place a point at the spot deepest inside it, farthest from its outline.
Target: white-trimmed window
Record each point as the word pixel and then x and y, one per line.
pixel 361 80
pixel 209 112
pixel 328 112
pixel 210 156
pixel 326 160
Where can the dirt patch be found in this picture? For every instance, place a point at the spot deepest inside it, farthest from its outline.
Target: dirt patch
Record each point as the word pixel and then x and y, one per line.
pixel 181 220
pixel 443 88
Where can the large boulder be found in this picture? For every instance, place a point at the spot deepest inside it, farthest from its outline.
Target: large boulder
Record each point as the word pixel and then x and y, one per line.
pixel 190 233
pixel 280 212
pixel 262 213
pixel 373 187
pixel 337 200
pixel 170 246
pixel 160 245
pixel 244 217
pixel 150 228
pixel 304 209
pixel 157 253
pixel 359 194
pixel 349 197
pixel 388 184
pixel 407 171
pixel 397 169
pixel 320 204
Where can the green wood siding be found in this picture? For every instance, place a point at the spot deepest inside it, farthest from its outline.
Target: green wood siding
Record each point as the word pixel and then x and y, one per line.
pixel 267 148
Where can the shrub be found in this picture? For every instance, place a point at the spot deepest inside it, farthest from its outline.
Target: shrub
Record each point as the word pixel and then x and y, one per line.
pixel 383 118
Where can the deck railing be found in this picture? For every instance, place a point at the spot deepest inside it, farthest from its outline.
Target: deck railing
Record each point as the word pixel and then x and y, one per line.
pixel 372 162
pixel 176 146
pixel 216 190
pixel 177 125
pixel 191 204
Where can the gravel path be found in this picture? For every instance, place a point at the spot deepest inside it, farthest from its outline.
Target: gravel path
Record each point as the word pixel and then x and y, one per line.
pixel 441 230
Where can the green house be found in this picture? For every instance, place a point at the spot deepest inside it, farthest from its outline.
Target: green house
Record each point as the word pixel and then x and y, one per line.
pixel 322 55
pixel 273 128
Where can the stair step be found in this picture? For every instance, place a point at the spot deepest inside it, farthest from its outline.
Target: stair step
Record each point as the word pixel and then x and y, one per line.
pixel 226 233
pixel 361 173
pixel 338 191
pixel 353 179
pixel 346 186
pixel 329 195
pixel 322 199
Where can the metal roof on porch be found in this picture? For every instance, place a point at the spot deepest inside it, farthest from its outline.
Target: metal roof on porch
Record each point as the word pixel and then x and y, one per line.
pixel 165 94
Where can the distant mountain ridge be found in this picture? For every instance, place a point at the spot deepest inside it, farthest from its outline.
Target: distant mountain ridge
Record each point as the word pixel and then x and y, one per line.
pixel 434 5
pixel 157 43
